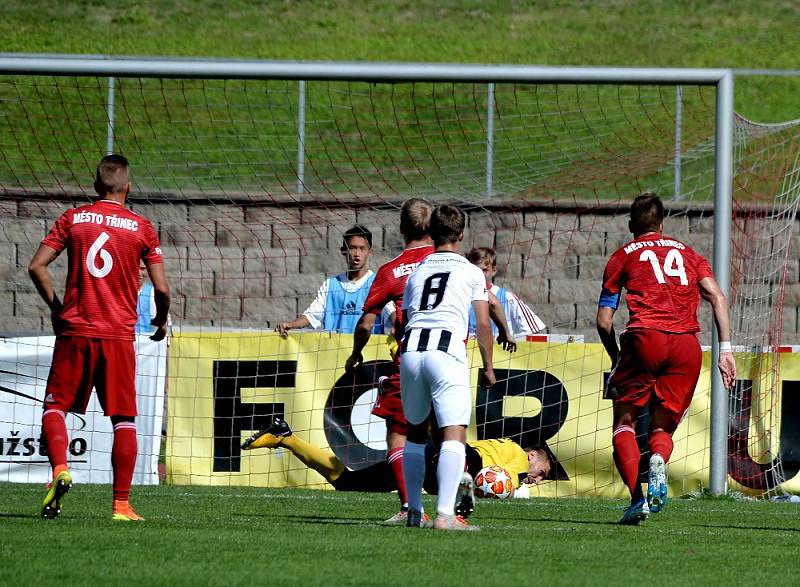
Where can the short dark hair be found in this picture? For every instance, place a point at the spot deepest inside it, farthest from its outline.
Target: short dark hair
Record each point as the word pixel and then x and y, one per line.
pixel 112 175
pixel 356 230
pixel 447 224
pixel 647 213
pixel 557 472
pixel 480 254
pixel 415 219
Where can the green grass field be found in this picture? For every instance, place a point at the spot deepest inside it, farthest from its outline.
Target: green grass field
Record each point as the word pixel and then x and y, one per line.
pixel 244 536
pixel 734 33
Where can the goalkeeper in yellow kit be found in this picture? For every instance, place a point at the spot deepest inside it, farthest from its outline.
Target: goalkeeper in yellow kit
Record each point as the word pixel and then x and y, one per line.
pixel 526 465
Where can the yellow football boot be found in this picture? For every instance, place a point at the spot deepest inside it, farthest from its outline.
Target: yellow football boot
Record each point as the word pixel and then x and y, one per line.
pixel 123 512
pixel 51 506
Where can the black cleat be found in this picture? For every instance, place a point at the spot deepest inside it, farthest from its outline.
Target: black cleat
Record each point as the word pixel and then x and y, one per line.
pixel 417 519
pixel 269 437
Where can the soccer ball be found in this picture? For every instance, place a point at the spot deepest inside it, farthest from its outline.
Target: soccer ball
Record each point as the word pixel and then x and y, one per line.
pixel 493 482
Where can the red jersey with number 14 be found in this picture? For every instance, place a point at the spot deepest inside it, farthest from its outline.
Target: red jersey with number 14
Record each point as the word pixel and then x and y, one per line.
pixel 390 280
pixel 105 245
pixel 660 275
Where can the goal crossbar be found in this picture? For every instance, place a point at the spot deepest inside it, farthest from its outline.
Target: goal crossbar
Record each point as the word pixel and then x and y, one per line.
pixel 35 64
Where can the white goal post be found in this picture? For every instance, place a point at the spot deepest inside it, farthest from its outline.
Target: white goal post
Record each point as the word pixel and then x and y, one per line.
pixel 721 79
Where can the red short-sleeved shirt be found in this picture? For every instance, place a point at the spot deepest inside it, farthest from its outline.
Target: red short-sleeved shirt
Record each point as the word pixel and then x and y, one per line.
pixel 389 283
pixel 660 275
pixel 105 245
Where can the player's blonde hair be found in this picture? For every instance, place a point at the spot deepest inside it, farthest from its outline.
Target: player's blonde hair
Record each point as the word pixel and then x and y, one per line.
pixel 415 219
pixel 112 175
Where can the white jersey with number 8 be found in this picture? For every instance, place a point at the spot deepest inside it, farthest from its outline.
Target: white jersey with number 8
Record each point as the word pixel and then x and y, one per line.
pixel 437 299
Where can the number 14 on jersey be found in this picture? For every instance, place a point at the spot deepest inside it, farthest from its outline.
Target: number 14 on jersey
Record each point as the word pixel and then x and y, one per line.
pixel 673 265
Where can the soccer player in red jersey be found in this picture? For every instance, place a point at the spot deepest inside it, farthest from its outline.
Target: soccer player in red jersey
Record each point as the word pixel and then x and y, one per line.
pixel 94 325
pixel 660 357
pixel 390 280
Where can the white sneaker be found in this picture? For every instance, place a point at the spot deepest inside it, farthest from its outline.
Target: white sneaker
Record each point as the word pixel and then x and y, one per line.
pixel 657 483
pixel 399 519
pixel 453 523
pixel 465 498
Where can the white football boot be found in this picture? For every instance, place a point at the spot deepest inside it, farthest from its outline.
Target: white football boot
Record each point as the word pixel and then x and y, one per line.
pixel 657 483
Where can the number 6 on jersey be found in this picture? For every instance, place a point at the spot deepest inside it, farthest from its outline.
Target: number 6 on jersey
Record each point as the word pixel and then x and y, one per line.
pixel 105 257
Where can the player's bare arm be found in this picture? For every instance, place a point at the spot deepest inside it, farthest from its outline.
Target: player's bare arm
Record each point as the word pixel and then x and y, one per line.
pixel 710 291
pixel 283 328
pixel 37 269
pixel 39 274
pixel 605 328
pixel 498 316
pixel 361 337
pixel 158 278
pixel 485 342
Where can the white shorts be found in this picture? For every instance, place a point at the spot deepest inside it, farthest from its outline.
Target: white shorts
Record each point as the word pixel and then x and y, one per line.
pixel 435 377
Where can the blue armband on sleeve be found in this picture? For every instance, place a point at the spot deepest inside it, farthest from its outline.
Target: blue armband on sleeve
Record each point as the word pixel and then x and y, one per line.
pixel 608 299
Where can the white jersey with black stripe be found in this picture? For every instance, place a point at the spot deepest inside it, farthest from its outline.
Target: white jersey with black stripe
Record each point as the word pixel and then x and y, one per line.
pixel 437 299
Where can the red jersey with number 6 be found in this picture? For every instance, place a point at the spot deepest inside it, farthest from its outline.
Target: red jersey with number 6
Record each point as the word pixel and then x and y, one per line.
pixel 660 275
pixel 105 245
pixel 390 280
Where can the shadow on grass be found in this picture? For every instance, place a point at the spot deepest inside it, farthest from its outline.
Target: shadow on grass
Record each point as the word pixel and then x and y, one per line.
pixel 315 519
pixel 355 522
pixel 611 521
pixel 18 515
pixel 736 527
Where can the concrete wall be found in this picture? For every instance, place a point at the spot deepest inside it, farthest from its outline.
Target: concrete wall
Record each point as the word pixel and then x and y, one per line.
pixel 252 264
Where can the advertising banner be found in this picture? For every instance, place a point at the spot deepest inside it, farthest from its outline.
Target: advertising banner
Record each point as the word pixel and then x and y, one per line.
pixel 24 366
pixel 224 386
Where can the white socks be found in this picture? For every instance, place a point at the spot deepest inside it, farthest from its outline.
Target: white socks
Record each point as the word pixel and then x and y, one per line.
pixel 448 474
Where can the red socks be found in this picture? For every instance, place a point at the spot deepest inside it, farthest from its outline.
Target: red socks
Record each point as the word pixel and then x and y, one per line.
pixel 626 457
pixel 123 452
pixel 123 459
pixel 661 443
pixel 395 460
pixel 54 430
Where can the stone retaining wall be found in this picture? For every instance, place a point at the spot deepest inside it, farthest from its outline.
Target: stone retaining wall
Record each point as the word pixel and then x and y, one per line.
pixel 251 264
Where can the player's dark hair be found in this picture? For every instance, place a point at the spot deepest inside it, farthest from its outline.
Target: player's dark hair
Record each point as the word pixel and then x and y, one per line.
pixel 647 213
pixel 556 472
pixel 415 219
pixel 481 254
pixel 112 175
pixel 356 230
pixel 447 224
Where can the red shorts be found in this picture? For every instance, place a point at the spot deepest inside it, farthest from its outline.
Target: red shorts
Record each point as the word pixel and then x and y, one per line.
pixel 389 406
pixel 660 363
pixel 82 363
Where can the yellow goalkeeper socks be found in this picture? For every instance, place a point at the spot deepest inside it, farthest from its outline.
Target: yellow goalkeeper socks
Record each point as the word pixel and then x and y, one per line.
pixel 323 462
